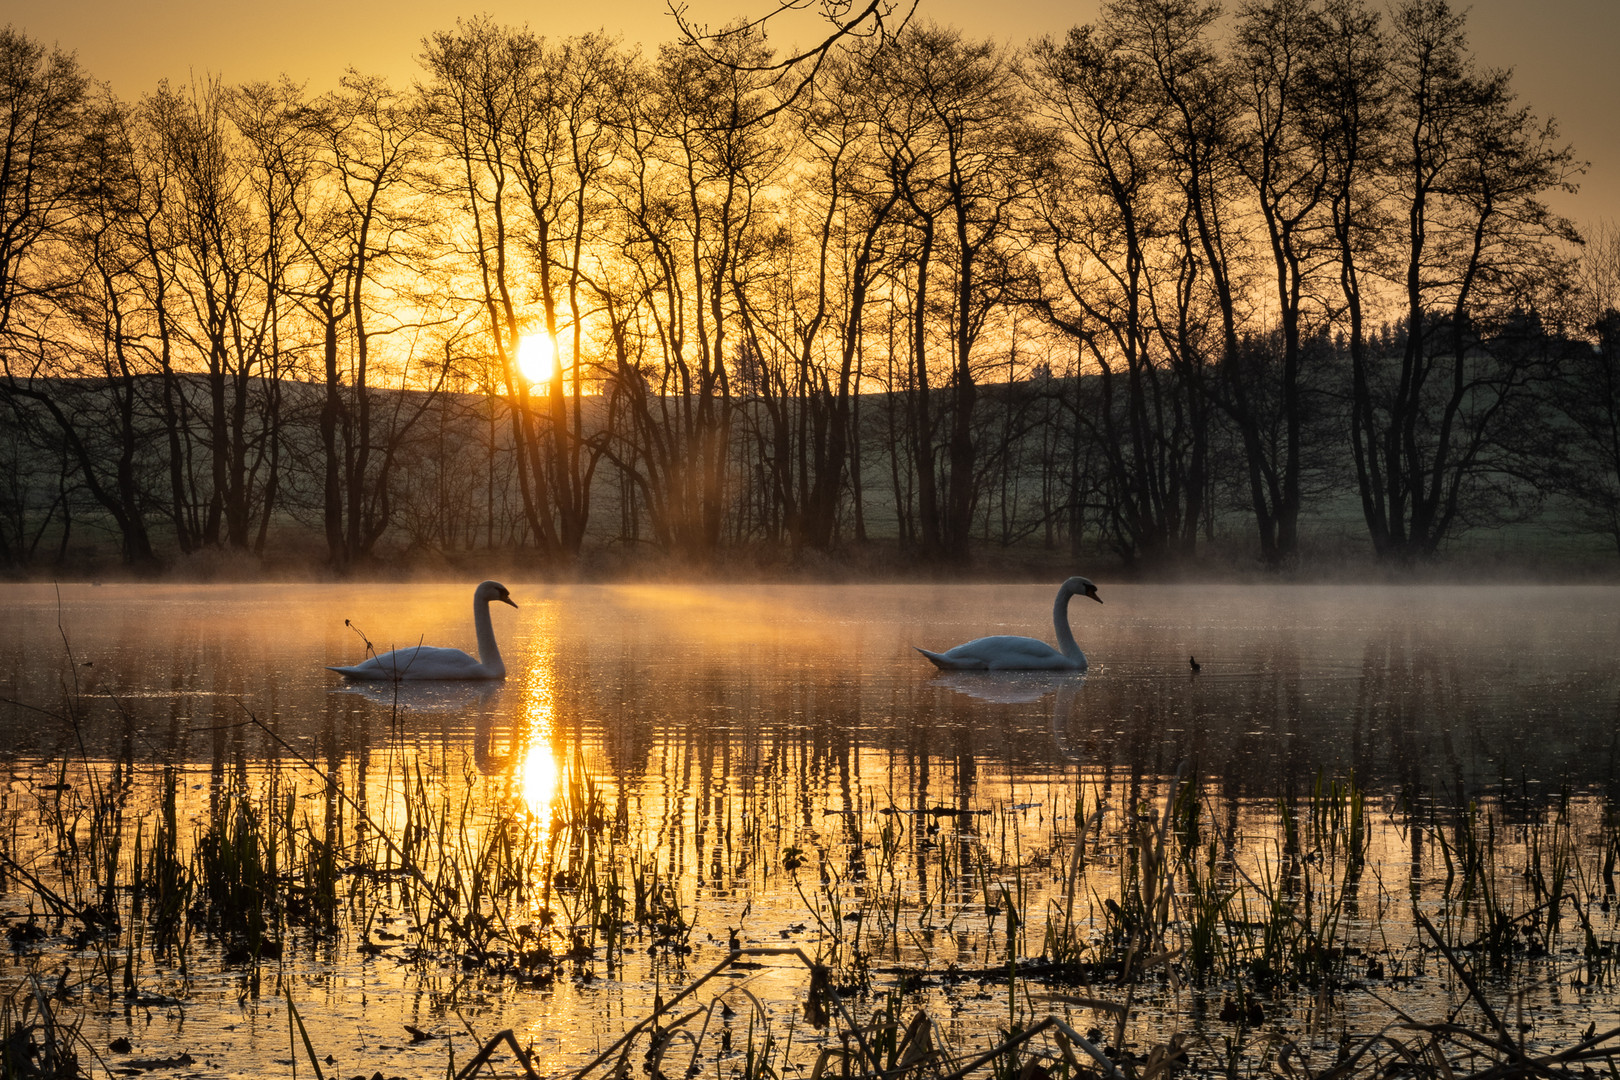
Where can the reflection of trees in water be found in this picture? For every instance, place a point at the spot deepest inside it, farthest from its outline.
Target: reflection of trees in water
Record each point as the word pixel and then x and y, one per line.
pixel 733 769
pixel 1407 716
pixel 1408 721
pixel 718 769
pixel 1411 720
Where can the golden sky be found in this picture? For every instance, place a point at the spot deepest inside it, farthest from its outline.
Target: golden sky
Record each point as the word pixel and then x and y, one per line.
pixel 1562 51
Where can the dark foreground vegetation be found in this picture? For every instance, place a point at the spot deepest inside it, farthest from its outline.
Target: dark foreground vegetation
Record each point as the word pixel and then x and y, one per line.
pixel 1118 924
pixel 1173 280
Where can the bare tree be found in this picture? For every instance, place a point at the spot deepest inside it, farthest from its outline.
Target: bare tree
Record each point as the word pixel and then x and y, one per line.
pixel 570 112
pixel 1113 228
pixel 960 153
pixel 344 161
pixel 1282 65
pixel 101 349
pixel 43 96
pixel 478 74
pixel 1438 427
pixel 805 313
pixel 532 127
pixel 227 246
pixel 698 169
pixel 1588 391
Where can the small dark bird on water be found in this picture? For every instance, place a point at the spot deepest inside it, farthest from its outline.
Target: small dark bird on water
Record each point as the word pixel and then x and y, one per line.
pixel 1196 666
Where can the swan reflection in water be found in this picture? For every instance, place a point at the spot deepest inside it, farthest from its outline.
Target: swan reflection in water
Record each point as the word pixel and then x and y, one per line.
pixel 430 698
pixel 527 724
pixel 1023 688
pixel 1008 687
pixel 528 758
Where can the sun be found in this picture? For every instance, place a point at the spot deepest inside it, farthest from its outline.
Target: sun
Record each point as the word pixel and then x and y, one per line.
pixel 537 357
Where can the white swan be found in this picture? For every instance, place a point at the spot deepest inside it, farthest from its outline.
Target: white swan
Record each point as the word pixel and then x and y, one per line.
pixel 1006 652
pixel 432 662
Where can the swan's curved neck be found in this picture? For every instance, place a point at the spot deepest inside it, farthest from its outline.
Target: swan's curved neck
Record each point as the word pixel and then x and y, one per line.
pixel 489 654
pixel 1060 622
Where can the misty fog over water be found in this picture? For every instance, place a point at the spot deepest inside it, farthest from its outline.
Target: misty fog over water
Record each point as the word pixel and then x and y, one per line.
pixel 1426 688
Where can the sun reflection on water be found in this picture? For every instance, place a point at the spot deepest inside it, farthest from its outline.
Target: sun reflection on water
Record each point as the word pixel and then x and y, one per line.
pixel 537 770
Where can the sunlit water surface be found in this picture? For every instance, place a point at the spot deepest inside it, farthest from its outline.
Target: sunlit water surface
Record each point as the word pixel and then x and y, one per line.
pixel 725 726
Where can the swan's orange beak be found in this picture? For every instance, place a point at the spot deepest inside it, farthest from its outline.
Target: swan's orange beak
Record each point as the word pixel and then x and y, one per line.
pixel 508 600
pixel 1094 596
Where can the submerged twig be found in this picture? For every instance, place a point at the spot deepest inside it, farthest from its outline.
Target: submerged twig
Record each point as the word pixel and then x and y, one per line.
pixel 1468 981
pixel 490 1047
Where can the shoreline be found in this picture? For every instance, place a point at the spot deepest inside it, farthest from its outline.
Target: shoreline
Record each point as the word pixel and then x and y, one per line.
pixel 869 565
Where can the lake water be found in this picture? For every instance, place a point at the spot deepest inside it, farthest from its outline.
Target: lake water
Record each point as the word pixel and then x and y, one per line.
pixel 721 727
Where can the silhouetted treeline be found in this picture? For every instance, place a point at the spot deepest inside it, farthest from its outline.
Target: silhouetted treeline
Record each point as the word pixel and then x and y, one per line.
pixel 1174 275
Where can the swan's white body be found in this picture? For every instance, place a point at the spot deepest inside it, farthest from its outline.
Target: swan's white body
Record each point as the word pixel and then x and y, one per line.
pixel 1007 652
pixel 433 662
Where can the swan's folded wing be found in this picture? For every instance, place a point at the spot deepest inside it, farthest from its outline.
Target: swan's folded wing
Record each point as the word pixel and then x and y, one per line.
pixel 1002 652
pixel 416 662
pixel 946 662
